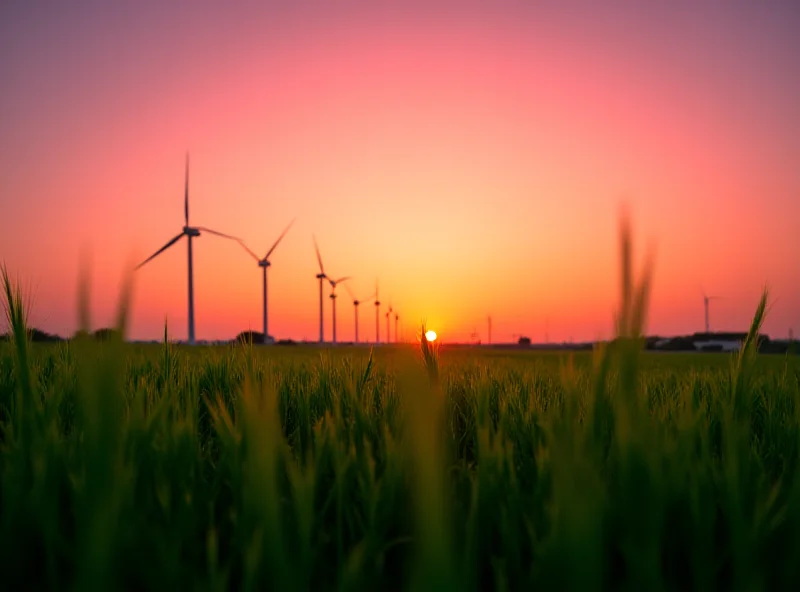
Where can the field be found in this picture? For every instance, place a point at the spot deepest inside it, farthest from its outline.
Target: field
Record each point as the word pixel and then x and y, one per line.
pixel 413 468
pixel 162 467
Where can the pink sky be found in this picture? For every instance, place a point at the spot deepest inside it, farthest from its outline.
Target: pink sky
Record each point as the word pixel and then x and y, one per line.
pixel 473 161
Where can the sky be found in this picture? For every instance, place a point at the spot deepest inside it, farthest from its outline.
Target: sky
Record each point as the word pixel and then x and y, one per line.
pixel 471 157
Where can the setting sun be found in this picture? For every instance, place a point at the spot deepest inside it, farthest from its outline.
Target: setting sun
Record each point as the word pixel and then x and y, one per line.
pixel 430 335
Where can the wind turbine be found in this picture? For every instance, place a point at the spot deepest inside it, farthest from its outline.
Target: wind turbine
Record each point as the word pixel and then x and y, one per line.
pixel 706 300
pixel 377 315
pixel 388 316
pixel 190 232
pixel 396 320
pixel 489 320
pixel 333 301
pixel 356 302
pixel 323 276
pixel 320 276
pixel 264 263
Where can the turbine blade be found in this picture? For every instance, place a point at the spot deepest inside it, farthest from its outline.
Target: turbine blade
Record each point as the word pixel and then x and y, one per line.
pixel 222 234
pixel 186 193
pixel 340 280
pixel 349 291
pixel 279 239
pixel 246 248
pixel 319 257
pixel 161 250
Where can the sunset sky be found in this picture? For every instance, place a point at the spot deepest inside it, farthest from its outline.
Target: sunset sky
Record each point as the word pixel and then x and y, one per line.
pixel 472 159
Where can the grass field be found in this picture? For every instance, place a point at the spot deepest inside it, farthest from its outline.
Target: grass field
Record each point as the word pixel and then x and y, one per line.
pixel 163 467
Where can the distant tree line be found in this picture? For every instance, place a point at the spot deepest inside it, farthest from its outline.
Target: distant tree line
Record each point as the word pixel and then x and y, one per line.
pixel 38 336
pixel 653 343
pixel 257 338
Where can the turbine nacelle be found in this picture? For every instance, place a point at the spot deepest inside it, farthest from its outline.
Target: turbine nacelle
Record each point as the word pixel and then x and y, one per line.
pixel 320 276
pixel 264 263
pixel 191 231
pixel 335 283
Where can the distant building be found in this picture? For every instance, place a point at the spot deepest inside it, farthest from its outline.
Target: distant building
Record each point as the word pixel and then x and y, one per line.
pixel 726 342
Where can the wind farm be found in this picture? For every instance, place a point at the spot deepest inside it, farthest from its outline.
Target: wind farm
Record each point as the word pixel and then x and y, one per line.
pixel 699 341
pixel 531 198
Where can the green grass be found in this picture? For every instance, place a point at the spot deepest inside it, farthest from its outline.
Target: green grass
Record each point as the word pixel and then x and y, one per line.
pixel 163 467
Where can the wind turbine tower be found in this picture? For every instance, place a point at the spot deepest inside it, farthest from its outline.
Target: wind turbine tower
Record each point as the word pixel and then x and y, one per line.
pixel 388 316
pixel 377 315
pixel 264 263
pixel 333 313
pixel 706 300
pixel 356 302
pixel 323 276
pixel 320 276
pixel 333 301
pixel 396 320
pixel 190 232
pixel 489 319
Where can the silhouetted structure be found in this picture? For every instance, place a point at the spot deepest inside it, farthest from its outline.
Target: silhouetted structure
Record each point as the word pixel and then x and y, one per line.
pixel 706 300
pixel 264 263
pixel 190 232
pixel 377 315
pixel 356 302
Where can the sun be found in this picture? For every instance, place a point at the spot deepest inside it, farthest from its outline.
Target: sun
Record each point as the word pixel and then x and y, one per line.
pixel 430 335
